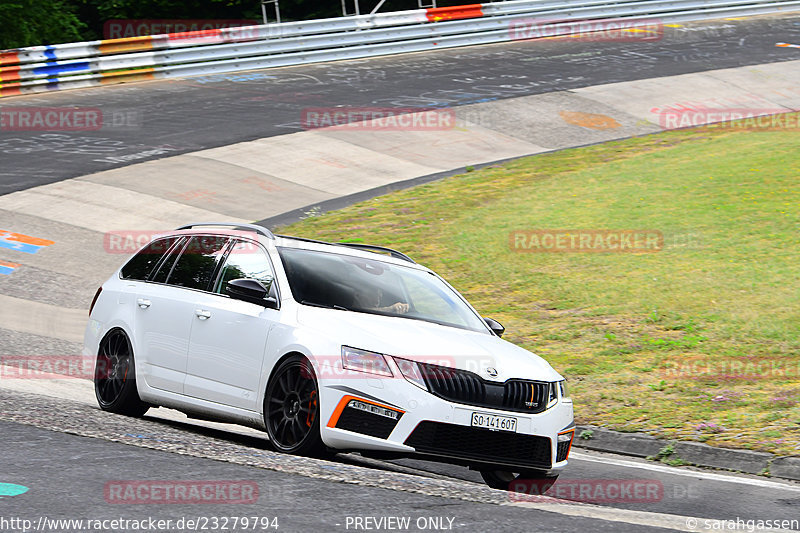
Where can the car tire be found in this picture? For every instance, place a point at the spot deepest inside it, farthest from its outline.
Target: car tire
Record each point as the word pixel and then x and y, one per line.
pixel 531 482
pixel 115 376
pixel 291 409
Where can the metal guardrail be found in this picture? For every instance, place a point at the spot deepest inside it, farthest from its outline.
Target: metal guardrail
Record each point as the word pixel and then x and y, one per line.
pixel 85 64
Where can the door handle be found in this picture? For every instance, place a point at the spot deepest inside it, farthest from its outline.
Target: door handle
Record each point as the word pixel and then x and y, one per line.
pixel 143 303
pixel 202 314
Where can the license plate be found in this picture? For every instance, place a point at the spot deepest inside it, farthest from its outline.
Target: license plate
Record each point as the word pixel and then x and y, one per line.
pixel 496 423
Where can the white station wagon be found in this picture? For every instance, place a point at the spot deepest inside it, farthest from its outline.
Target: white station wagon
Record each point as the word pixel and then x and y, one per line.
pixel 328 348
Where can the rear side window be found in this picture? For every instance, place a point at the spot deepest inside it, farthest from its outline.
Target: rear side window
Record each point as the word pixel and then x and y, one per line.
pixel 198 263
pixel 142 264
pixel 161 273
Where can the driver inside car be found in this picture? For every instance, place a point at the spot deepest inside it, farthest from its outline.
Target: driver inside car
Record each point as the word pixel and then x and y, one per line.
pixel 370 299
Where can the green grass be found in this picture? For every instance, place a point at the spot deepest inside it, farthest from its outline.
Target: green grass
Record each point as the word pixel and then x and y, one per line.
pixel 724 289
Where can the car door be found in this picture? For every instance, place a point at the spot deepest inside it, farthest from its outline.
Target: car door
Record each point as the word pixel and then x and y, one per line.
pixel 165 309
pixel 156 332
pixel 229 336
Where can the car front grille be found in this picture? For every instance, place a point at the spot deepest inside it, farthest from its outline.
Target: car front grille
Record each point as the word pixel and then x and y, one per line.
pixel 466 387
pixel 481 446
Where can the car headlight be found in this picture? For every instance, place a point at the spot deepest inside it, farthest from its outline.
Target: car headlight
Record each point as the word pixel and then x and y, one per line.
pixel 562 388
pixel 411 371
pixel 553 398
pixel 364 361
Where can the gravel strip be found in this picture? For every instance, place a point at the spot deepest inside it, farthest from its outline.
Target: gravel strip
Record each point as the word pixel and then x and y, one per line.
pixel 79 419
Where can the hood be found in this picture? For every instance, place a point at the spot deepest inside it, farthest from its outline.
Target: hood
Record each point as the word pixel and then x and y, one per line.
pixel 427 342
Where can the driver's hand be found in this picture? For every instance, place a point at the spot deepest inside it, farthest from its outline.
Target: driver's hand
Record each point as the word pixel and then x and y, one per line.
pixel 400 308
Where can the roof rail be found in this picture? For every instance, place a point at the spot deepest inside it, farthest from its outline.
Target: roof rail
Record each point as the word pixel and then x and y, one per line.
pixel 373 248
pixel 304 239
pixel 365 247
pixel 252 227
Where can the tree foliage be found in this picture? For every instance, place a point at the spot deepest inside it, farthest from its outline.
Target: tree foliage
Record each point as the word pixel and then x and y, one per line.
pixel 32 22
pixel 37 22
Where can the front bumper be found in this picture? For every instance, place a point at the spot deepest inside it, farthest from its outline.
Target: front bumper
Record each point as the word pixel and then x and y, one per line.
pixel 391 415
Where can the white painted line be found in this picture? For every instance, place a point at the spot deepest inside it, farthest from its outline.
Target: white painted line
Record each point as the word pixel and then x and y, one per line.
pixel 639 518
pixel 711 476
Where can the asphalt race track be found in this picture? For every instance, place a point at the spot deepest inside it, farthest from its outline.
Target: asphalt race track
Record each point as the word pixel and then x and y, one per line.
pixel 67 477
pixel 66 452
pixel 186 115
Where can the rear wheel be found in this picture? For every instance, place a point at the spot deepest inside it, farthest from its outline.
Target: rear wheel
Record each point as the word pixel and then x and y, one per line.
pixel 291 408
pixel 115 376
pixel 531 482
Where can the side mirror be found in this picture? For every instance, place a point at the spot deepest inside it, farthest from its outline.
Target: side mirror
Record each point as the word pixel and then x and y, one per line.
pixel 495 326
pixel 252 291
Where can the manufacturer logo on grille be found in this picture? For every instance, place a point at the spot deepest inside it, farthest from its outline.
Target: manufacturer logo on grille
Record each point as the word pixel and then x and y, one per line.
pixel 492 371
pixel 531 404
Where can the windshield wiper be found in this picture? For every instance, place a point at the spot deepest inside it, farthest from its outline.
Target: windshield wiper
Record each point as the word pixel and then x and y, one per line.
pixel 324 306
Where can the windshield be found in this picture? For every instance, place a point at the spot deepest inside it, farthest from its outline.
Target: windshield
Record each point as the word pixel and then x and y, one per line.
pixel 337 281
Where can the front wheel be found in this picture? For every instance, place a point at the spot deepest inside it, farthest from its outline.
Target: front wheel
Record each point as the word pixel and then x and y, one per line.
pixel 115 377
pixel 291 408
pixel 535 483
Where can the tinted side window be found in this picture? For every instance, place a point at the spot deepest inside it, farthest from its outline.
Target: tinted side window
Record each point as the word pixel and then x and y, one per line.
pixel 160 275
pixel 246 260
pixel 197 264
pixel 140 266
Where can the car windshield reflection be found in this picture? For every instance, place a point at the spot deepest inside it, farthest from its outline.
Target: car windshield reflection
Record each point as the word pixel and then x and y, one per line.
pixel 324 279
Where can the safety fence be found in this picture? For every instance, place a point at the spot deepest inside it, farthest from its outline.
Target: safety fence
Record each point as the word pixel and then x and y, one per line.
pixel 93 63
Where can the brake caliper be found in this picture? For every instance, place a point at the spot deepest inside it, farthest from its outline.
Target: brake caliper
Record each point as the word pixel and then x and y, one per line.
pixel 312 408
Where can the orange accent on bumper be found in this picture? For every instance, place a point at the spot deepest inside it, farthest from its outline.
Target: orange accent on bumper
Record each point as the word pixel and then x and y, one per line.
pixel 345 400
pixel 469 11
pixel 570 441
